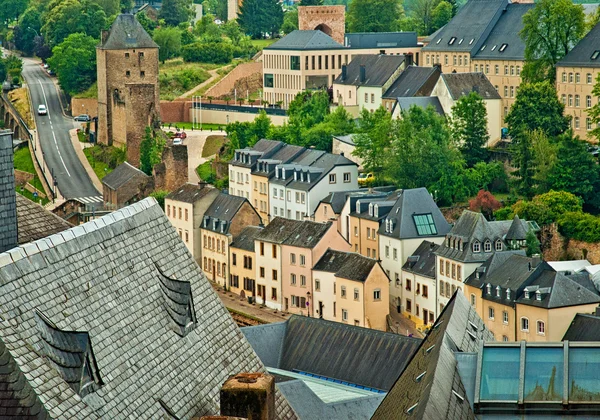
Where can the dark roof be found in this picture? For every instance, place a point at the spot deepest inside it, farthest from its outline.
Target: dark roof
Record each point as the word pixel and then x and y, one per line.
pixel 584 327
pixel 127 33
pixel 245 240
pixel 378 69
pixel 414 81
pixel 422 261
pixel 278 230
pixel 35 222
pixel 460 84
pixel 123 174
pixel 337 199
pixel 348 139
pixel 220 213
pixel 373 207
pixel 518 230
pixel 433 396
pixel 189 193
pixel 333 350
pixel 411 203
pixel 506 32
pixel 582 53
pixel 518 270
pixel 266 166
pixel 557 291
pixel 300 233
pixel 421 102
pixel 261 150
pixel 346 265
pixel 123 281
pixel 372 40
pixel 305 40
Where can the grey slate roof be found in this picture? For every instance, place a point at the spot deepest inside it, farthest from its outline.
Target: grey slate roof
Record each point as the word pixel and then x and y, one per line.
pixel 346 265
pixel 305 41
pixel 581 54
pixel 123 174
pixel 416 201
pixel 381 40
pixel 584 327
pixel 261 150
pixel 8 205
pixel 470 27
pixel 518 230
pixel 348 139
pixel 506 31
pixel 414 81
pixel 433 396
pixel 337 199
pixel 421 102
pixel 378 69
pixel 422 261
pixel 283 155
pixel 35 222
pixel 299 233
pixel 107 278
pixel 461 84
pixel 222 211
pixel 127 33
pixel 189 193
pixel 245 240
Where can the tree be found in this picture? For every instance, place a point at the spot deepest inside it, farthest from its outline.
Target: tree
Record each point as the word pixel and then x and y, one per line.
pixel 10 67
pixel 442 14
pixel 308 108
pixel 532 243
pixel 373 143
pixel 72 16
pixel 148 24
pixel 469 127
pixel 592 19
pixel 207 28
pixel 523 160
pixel 208 52
pixel 11 10
pixel 374 15
pixel 311 3
pixel 290 21
pixel 425 13
pixel 485 203
pixel 151 149
pixel 260 17
pixel 544 157
pixel 126 5
pixel 110 7
pixel 74 61
pixel 233 31
pixel 594 111
pixel 320 136
pixel 169 42
pixel 549 32
pixel 25 32
pixel 160 195
pixel 547 208
pixel 216 8
pixel 174 12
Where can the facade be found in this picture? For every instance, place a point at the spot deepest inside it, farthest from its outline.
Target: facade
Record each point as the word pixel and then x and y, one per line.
pixel 413 82
pixel 224 219
pixel 344 145
pixel 185 208
pixel 365 220
pixel 125 185
pixel 128 91
pixel 359 290
pixel 242 272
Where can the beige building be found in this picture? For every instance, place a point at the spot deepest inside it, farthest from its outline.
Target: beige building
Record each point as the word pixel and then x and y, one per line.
pixel 226 217
pixel 242 272
pixel 365 220
pixel 185 208
pixel 359 289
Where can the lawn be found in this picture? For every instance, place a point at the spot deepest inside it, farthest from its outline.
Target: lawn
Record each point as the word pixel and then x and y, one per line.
pixel 23 161
pixel 188 126
pixel 177 64
pixel 20 100
pixel 90 93
pixel 262 43
pixel 212 145
pixel 103 159
pixel 28 194
pixel 205 172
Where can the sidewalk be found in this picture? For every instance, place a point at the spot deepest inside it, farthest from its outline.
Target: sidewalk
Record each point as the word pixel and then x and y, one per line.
pixel 79 146
pixel 232 301
pixel 403 325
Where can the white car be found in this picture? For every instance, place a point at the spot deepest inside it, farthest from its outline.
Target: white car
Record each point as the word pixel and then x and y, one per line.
pixel 42 110
pixel 177 141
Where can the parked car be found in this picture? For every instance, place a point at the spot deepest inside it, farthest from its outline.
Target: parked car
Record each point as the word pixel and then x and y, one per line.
pixel 177 141
pixel 50 72
pixel 178 135
pixel 82 118
pixel 46 65
pixel 366 178
pixel 42 110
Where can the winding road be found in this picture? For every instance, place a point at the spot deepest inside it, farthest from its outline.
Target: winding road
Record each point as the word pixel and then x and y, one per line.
pixel 53 132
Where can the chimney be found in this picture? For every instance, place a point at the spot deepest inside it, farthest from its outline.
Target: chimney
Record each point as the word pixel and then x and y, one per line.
pixel 249 395
pixel 535 260
pixel 363 73
pixel 8 198
pixel 408 58
pixel 344 72
pixel 104 36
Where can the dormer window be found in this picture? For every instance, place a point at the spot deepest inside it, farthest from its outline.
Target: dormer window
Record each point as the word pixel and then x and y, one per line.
pixel 358 206
pixel 460 42
pixel 295 176
pixel 476 246
pixel 487 246
pixel 471 41
pixel 494 47
pixel 215 224
pixel 206 221
pixel 498 291
pixel 488 289
pixel 508 294
pixel 498 245
pixel 538 295
pixel 526 295
pixel 482 48
pixel 595 54
pixel 376 210
pixel 178 302
pixel 371 209
pixel 282 173
pixel 439 40
pixel 452 40
pixel 387 226
pixel 460 245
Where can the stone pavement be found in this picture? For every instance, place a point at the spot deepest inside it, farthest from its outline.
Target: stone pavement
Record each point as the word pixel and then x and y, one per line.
pixel 233 301
pixel 403 325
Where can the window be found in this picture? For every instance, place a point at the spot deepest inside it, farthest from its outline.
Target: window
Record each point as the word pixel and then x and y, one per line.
pixel 355 230
pixel 372 98
pixel 496 69
pixel 344 315
pixel 408 285
pixel 570 77
pixel 588 78
pixel 356 295
pixel 168 210
pixel 491 313
pixel 302 280
pixel 487 68
pixel 262 248
pixel 570 102
pixel 473 300
pixel 408 305
pixel 332 178
pixel 518 70
pixel 588 101
pixel 377 294
pixel 262 272
pixel 476 68
pixel 576 101
pixel 317 285
pixel 273 293
pixel 498 245
pixel 487 246
pixel 564 77
pixel 453 60
pixel 347 177
pixel 504 338
pixel 503 47
pixel 268 80
pixel 127 55
pixel 179 213
pixel 448 290
pixel 577 80
pixel 447 268
pixel 452 40
pixel 425 291
pixel 368 233
pixel 274 250
pixel 248 262
pixel 453 270
pixel 576 123
pixel 293 259
pixel 512 70
pixel 294 62
pixel 505 91
pixel 233 259
pixel 563 99
pixel 512 91
pixel 541 328
pixel 506 70
pixel 187 236
pixel 142 73
pixel 366 97
pixel 425 224
pixel 343 291
pixel 588 124
pixel 293 279
pixel 505 317
pixel 476 247
pixel 525 324
pixel 302 260
pixel 442 290
pixel 395 253
pixel 127 73
pixel 274 275
pixel 397 279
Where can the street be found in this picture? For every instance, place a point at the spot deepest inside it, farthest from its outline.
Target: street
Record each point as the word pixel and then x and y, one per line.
pixel 53 131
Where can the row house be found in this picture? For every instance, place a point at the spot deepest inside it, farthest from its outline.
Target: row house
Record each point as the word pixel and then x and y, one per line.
pixel 365 221
pixel 413 82
pixel 351 288
pixel 224 219
pixel 521 298
pixel 242 263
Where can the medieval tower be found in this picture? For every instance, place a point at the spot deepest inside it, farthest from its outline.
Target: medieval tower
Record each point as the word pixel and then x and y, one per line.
pixel 128 91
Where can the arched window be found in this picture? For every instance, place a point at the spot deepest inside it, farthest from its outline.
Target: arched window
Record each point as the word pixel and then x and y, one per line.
pixel 525 324
pixel 487 246
pixel 498 245
pixel 476 246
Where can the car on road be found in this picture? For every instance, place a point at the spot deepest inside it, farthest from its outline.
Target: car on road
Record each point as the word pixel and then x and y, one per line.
pixel 177 141
pixel 42 110
pixel 82 118
pixel 50 72
pixel 366 178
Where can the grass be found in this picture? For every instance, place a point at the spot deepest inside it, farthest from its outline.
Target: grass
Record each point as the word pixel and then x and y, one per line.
pixel 262 43
pixel 81 136
pixel 103 159
pixel 20 100
pixel 177 64
pixel 29 195
pixel 212 145
pixel 174 83
pixel 90 93
pixel 188 126
pixel 23 161
pixel 205 172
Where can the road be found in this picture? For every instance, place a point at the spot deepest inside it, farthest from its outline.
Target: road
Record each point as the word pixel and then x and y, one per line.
pixel 53 131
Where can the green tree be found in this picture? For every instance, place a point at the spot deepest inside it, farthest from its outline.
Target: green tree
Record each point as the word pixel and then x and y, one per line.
pixel 311 2
pixel 547 208
pixel 110 7
pixel 72 16
pixel 74 61
pixel 207 28
pixel 11 10
pixel 290 21
pixel 469 127
pixel 594 111
pixel 549 31
pixel 174 12
pixel 260 17
pixel 151 149
pixel 424 14
pixel 208 52
pixel 216 8
pixel 374 141
pixel 233 31
pixel 336 123
pixel 523 160
pixel 532 243
pixel 160 195
pixel 308 108
pixel 25 32
pixel 148 24
pixel 592 19
pixel 168 40
pixel 442 14
pixel 544 157
pixel 374 15
pixel 126 5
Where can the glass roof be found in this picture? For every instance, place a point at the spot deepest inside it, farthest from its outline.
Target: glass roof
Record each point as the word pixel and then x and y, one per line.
pixel 425 224
pixel 500 384
pixel 543 374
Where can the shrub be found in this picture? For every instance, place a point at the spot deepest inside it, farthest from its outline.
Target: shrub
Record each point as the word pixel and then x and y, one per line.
pixel 547 208
pixel 208 52
pixel 580 226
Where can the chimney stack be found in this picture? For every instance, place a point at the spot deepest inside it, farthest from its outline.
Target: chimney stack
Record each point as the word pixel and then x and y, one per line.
pixel 363 73
pixel 104 36
pixel 8 198
pixel 249 395
pixel 344 72
pixel 535 260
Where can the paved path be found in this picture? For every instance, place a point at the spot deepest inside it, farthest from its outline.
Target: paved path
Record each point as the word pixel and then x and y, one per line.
pixel 403 325
pixel 233 301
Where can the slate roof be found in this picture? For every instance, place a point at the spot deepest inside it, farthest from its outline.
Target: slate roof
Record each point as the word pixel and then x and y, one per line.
pixel 305 41
pixel 460 84
pixel 283 155
pixel 432 397
pixel 245 240
pixel 422 261
pixel 118 279
pixel 372 40
pixel 123 174
pixel 581 54
pixel 222 211
pixel 189 193
pixel 261 150
pixel 414 81
pixel 518 230
pixel 378 70
pixel 348 139
pixel 299 233
pixel 346 265
pixel 127 33
pixel 506 31
pixel 421 102
pixel 35 222
pixel 584 327
pixel 338 199
pixel 411 202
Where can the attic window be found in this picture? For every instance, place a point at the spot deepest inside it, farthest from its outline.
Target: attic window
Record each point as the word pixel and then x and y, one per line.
pixel 488 289
pixel 526 294
pixel 503 47
pixel 538 295
pixel 358 206
pixel 411 409
pixel 420 376
pixel 472 336
pixel 460 397
pixel 461 41
pixel 473 326
pixel 498 290
pixel 429 349
pixel 471 41
pixel 482 48
pixel 508 294
pixel 436 326
pixel 424 224
pixel 178 302
pixel 494 47
pixel 476 247
pixel 371 209
pixel 595 54
pixel 452 40
pixel 439 40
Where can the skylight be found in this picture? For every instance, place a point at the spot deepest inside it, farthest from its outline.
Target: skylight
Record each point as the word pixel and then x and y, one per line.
pixel 460 42
pixel 471 41
pixel 452 40
pixel 503 47
pixel 439 40
pixel 424 224
pixel 494 47
pixel 482 48
pixel 595 54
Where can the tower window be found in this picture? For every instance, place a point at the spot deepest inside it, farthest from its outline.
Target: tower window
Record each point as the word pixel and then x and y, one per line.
pixel 127 73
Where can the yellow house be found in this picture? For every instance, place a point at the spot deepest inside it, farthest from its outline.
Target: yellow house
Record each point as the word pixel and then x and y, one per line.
pixel 365 219
pixel 242 262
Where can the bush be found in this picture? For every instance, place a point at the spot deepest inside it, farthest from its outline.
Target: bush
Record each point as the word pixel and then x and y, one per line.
pixel 208 52
pixel 580 226
pixel 547 208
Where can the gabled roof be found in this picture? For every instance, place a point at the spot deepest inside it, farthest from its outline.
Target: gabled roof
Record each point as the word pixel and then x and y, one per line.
pixel 584 327
pixel 434 394
pixel 123 174
pixel 283 155
pixel 346 265
pixel 222 211
pixel 378 70
pixel 299 233
pixel 422 102
pixel 461 84
pixel 422 261
pixel 263 149
pixel 337 199
pixel 586 53
pixel 121 279
pixel 373 40
pixel 305 40
pixel 414 81
pixel 557 291
pixel 127 33
pixel 245 240
pixel 190 193
pixel 35 222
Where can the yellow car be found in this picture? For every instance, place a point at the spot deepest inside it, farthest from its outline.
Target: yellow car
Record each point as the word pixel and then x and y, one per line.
pixel 366 179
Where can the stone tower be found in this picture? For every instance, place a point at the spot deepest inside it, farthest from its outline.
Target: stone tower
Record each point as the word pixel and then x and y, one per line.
pixel 128 91
pixel 233 9
pixel 327 19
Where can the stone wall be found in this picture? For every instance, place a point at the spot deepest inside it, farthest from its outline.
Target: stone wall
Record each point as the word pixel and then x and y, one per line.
pixel 172 172
pixel 141 112
pixel 328 19
pixel 22 178
pixel 8 198
pixel 84 106
pixel 175 111
pixel 557 248
pixel 227 83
